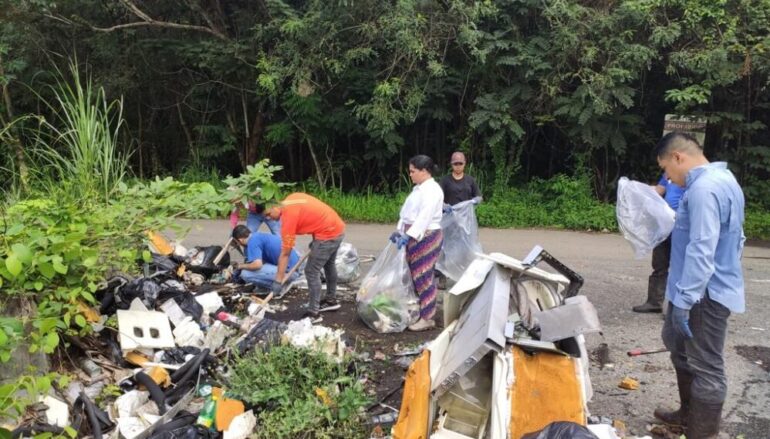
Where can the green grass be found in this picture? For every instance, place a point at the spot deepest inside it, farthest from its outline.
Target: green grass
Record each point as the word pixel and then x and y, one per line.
pixel 561 203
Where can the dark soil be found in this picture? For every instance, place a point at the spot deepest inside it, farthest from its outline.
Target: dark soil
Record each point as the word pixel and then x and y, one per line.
pixel 755 354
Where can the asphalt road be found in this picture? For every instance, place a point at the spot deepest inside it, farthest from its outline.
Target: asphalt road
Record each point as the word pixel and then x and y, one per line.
pixel 614 282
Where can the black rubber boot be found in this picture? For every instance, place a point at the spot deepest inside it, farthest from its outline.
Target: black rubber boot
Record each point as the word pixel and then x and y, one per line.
pixel 703 420
pixel 678 417
pixel 656 289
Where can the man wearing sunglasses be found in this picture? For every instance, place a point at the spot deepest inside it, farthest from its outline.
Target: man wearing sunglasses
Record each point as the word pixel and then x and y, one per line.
pixel 457 186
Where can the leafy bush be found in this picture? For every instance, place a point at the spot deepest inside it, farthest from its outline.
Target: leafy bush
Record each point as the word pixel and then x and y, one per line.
pixel 299 393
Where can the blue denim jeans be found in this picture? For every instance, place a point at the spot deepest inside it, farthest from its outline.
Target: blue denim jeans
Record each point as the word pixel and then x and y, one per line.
pixel 265 276
pixel 254 220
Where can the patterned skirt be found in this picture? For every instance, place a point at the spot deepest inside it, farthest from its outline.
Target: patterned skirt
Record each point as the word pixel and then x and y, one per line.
pixel 421 257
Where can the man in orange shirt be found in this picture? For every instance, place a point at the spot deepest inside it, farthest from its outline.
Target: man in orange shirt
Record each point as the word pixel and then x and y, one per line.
pixel 302 214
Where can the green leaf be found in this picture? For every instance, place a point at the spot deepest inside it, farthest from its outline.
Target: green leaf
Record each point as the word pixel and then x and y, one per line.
pixel 13 265
pixel 46 269
pixel 3 337
pixel 50 342
pixel 89 262
pixel 59 267
pixel 71 432
pixel 146 256
pixel 80 321
pixel 22 252
pixel 38 286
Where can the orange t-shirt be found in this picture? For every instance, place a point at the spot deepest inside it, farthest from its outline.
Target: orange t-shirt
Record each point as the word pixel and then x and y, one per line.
pixel 303 214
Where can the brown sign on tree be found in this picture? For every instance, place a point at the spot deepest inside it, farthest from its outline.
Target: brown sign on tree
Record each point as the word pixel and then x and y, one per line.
pixel 692 125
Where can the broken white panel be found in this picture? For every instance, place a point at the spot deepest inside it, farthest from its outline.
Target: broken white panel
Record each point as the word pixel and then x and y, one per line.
pixel 438 348
pixel 58 412
pixel 471 279
pixel 502 381
pixel 582 366
pixel 131 427
pixel 519 268
pixel 577 316
pixel 480 329
pixel 211 302
pixel 144 329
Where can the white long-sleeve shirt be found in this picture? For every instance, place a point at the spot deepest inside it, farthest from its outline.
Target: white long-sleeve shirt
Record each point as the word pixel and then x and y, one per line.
pixel 422 209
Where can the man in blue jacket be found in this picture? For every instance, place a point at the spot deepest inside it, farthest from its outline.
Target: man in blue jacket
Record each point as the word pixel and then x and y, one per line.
pixel 705 281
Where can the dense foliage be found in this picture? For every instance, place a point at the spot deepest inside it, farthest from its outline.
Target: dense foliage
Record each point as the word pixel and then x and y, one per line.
pixel 297 391
pixel 344 91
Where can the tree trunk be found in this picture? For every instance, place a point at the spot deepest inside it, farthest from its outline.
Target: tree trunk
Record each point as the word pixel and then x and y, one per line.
pixel 15 141
pixel 187 133
pixel 254 140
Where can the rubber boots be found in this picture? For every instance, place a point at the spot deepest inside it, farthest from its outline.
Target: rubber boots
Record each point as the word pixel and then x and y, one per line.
pixel 656 289
pixel 678 417
pixel 703 420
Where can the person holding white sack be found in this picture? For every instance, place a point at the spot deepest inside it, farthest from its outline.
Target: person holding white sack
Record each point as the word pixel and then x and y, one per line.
pixel 419 229
pixel 661 254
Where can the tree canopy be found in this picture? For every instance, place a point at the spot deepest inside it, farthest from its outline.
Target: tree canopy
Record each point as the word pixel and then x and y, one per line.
pixel 343 92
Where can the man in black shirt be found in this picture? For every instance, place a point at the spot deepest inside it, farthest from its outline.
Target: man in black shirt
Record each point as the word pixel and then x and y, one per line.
pixel 457 186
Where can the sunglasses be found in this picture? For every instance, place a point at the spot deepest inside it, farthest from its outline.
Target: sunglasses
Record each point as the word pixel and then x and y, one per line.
pixel 457 163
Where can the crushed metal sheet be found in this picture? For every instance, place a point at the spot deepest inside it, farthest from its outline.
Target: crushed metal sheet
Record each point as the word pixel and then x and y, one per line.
pixel 480 329
pixel 577 316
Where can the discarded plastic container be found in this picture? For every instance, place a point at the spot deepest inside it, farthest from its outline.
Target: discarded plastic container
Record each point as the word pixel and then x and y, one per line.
pixel 89 367
pixel 208 412
pixel 227 319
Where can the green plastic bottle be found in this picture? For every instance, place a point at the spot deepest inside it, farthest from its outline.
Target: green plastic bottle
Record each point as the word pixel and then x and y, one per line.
pixel 206 416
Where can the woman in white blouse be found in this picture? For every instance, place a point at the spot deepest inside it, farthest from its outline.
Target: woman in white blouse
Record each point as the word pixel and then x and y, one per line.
pixel 419 229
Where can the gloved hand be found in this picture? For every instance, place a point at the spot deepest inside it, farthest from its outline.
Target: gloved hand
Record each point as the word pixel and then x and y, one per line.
pixel 447 209
pixel 476 200
pixel 276 287
pixel 394 237
pixel 402 240
pixel 680 319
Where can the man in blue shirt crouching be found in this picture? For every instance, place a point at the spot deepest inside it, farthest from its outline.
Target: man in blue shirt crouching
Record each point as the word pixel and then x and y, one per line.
pixel 705 281
pixel 262 251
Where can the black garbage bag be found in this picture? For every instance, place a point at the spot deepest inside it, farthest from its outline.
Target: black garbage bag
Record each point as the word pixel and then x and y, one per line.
pixel 185 300
pixel 177 355
pixel 163 263
pixel 202 261
pixel 264 334
pixel 108 294
pixel 562 430
pixel 186 432
pixel 147 290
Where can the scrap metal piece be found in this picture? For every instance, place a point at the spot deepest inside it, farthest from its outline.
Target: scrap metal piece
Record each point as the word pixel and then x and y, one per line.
pixel 480 330
pixel 538 254
pixel 577 316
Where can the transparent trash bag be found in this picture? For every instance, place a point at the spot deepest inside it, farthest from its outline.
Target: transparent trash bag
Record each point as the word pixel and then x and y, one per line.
pixel 386 301
pixel 348 264
pixel 644 217
pixel 461 240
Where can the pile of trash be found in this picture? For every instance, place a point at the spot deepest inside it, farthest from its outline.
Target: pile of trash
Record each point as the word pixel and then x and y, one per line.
pixel 511 361
pixel 156 364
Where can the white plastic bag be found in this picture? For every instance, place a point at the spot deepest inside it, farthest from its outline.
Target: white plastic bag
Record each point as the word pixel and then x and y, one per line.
pixel 386 301
pixel 644 217
pixel 348 263
pixel 461 240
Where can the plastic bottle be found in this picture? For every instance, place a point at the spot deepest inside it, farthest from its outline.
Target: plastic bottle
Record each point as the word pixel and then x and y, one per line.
pixel 227 319
pixel 206 416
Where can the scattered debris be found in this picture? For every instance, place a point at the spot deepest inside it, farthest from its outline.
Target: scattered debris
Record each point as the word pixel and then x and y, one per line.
pixel 241 426
pixel 144 329
pixel 602 356
pixel 303 334
pixel 629 384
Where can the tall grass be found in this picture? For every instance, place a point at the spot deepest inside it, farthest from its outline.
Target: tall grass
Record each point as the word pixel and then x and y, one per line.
pixel 78 150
